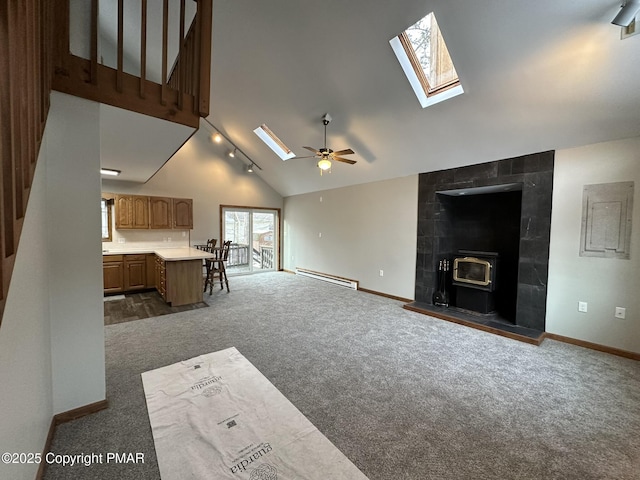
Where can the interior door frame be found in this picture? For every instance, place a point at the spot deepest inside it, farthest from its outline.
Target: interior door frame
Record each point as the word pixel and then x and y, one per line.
pixel 278 226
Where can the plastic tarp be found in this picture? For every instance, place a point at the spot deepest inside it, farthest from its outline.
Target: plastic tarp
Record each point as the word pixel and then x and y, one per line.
pixel 217 417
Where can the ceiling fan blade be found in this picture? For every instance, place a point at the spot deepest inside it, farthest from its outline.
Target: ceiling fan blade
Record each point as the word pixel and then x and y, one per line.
pixel 310 156
pixel 346 151
pixel 343 160
pixel 312 150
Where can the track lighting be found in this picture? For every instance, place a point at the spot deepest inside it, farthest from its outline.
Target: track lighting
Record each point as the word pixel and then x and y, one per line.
pixel 627 14
pixel 218 137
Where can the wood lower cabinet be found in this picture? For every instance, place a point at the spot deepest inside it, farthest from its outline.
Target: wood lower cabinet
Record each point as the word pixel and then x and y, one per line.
pixel 113 273
pixel 161 277
pixel 125 273
pixel 179 282
pixel 135 272
pixel 151 270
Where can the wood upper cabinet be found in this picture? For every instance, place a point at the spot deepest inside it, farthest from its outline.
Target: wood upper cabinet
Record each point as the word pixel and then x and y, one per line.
pixel 182 213
pixel 132 211
pixel 160 213
pixel 142 212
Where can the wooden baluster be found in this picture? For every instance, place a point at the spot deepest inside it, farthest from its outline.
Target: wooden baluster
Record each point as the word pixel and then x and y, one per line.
pixel 165 28
pixel 120 45
pixel 94 42
pixel 143 48
pixel 181 58
pixel 205 12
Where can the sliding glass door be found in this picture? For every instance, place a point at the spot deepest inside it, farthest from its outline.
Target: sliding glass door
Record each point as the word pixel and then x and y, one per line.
pixel 254 239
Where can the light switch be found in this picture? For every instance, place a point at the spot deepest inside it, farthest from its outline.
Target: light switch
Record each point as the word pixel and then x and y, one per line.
pixel 621 312
pixel 582 307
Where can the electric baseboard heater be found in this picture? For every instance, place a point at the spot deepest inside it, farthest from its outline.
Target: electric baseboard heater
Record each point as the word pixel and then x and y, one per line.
pixel 343 282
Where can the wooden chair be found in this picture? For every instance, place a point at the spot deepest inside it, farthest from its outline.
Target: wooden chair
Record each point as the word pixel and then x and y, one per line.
pixel 216 268
pixel 208 247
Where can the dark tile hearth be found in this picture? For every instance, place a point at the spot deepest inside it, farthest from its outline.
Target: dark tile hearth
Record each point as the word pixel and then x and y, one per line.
pixel 492 323
pixel 135 306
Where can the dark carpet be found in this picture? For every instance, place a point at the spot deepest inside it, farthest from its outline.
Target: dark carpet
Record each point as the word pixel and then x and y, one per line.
pixel 401 394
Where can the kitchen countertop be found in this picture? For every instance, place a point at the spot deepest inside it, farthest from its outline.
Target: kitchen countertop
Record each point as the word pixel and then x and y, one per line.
pixel 166 254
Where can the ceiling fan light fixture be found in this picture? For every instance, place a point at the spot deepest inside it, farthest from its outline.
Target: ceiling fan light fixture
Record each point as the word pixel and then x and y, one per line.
pixel 324 165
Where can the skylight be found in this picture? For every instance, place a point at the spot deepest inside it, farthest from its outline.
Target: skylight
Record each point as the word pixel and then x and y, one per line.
pixel 426 62
pixel 273 142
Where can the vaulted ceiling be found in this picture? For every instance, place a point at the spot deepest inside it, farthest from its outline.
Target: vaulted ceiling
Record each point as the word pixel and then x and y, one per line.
pixel 537 76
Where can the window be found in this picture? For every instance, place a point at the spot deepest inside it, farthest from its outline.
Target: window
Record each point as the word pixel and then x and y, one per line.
pixel 105 207
pixel 425 60
pixel 273 142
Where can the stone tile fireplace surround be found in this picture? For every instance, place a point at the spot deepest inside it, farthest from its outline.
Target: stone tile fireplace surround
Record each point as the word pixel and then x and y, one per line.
pixel 439 232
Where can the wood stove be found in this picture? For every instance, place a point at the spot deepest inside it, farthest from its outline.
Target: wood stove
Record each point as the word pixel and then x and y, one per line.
pixel 474 275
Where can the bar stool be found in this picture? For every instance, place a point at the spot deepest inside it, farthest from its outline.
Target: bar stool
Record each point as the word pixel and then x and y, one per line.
pixel 216 267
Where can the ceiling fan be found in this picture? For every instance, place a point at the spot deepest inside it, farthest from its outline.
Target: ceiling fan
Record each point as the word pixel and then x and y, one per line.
pixel 326 155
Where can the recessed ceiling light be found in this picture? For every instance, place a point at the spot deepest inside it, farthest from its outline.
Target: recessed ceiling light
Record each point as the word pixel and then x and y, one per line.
pixel 109 171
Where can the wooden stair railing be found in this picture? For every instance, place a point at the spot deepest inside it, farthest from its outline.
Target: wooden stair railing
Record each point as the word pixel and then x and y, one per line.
pixel 182 97
pixel 25 85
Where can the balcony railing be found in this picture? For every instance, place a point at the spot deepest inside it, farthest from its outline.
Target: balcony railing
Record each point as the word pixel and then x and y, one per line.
pixel 121 66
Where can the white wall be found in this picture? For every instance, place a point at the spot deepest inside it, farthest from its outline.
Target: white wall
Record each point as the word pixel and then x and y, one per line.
pixel 365 228
pixel 74 247
pixel 198 171
pixel 603 283
pixel 52 333
pixel 25 348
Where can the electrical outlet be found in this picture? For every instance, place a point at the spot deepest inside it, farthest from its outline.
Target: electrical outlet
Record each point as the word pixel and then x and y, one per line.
pixel 582 307
pixel 621 312
pixel 382 273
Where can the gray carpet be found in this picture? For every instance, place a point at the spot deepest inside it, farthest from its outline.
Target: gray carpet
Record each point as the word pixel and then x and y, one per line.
pixel 403 395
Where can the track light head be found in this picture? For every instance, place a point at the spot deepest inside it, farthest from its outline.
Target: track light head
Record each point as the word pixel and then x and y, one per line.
pixel 627 14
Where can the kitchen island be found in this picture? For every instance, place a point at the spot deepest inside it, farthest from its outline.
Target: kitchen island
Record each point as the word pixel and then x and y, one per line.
pixel 175 272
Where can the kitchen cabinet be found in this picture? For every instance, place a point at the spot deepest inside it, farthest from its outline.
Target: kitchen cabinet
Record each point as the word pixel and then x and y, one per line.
pixel 182 213
pixel 135 272
pixel 160 213
pixel 113 273
pixel 161 273
pixel 151 270
pixel 132 211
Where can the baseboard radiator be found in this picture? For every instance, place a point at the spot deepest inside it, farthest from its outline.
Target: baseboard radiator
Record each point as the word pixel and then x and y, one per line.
pixel 343 282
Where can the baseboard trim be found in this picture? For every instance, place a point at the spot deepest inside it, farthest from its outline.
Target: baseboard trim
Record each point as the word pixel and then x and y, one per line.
pixel 386 295
pixel 64 417
pixel 593 346
pixel 46 449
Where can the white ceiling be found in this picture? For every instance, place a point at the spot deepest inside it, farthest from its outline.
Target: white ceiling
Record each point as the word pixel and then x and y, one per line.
pixel 538 75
